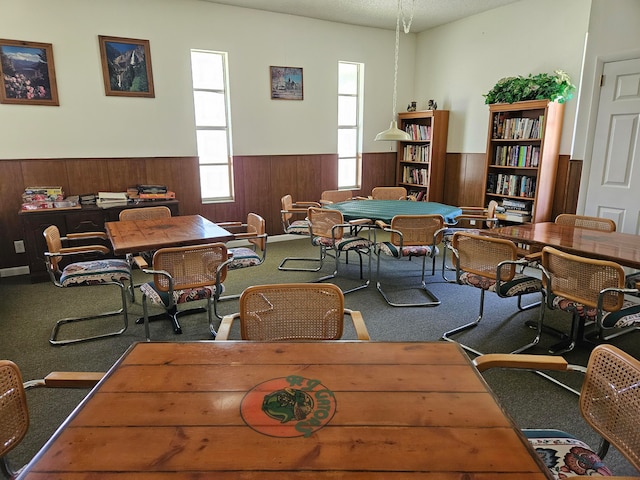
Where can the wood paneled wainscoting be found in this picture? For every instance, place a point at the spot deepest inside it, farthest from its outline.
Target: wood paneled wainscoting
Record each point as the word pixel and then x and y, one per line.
pixel 260 182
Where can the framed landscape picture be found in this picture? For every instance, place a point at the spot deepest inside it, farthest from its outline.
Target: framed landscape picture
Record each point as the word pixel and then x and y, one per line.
pixel 126 67
pixel 286 83
pixel 27 73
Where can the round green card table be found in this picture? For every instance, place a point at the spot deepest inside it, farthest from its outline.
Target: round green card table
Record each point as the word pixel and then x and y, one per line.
pixel 385 210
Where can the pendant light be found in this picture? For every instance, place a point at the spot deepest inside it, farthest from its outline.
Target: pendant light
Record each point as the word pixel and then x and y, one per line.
pixel 393 133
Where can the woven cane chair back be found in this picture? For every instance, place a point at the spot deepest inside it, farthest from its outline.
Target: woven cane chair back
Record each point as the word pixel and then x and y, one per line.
pixel 335 196
pixel 192 266
pixel 322 221
pixel 145 213
pixel 257 226
pixel 610 399
pixel 287 206
pixel 592 223
pixel 298 311
pixel 416 229
pixel 480 255
pixel 582 279
pixel 14 415
pixel 54 244
pixel 389 193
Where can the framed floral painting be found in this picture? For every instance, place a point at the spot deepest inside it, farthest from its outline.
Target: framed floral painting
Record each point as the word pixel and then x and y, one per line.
pixel 27 73
pixel 126 67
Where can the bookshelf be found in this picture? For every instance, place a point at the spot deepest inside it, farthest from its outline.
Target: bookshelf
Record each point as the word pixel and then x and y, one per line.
pixel 523 144
pixel 421 161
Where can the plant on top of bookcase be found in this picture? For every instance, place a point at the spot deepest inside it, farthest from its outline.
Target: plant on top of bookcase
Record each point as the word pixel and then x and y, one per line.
pixel 556 88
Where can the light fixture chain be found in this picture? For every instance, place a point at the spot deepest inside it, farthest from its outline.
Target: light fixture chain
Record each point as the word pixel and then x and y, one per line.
pixel 396 55
pixel 405 25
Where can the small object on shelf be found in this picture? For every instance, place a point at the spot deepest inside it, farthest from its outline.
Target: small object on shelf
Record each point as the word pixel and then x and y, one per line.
pixel 432 105
pixel 411 107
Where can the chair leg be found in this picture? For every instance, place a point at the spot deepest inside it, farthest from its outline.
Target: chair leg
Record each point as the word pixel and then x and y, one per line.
pixel 448 334
pixel 53 339
pixel 318 261
pixel 433 300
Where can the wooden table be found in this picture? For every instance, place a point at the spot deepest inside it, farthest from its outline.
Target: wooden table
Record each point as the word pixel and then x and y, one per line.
pixel 623 248
pixel 385 210
pixel 134 236
pixel 225 410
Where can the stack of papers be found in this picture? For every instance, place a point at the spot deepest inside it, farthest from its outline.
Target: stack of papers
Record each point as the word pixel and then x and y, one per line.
pixel 111 199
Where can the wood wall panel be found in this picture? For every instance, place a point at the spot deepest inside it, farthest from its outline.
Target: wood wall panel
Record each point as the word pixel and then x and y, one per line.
pixel 123 173
pixel 11 190
pixel 86 175
pixel 464 179
pixel 45 172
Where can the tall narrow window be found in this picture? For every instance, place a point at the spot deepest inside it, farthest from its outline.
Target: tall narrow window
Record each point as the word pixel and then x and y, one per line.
pixel 213 132
pixel 350 88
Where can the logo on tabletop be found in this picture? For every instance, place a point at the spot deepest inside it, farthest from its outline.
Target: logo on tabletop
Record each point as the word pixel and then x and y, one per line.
pixel 291 406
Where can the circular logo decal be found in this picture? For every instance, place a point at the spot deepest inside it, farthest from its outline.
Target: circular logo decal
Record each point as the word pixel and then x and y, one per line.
pixel 291 406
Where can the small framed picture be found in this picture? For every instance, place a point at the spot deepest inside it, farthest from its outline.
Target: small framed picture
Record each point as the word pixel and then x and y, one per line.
pixel 126 67
pixel 27 73
pixel 286 83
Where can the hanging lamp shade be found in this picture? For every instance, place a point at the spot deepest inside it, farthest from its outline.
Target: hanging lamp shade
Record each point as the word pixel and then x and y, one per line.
pixel 393 133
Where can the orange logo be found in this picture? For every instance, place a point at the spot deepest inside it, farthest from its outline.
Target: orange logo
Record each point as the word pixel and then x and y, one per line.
pixel 291 406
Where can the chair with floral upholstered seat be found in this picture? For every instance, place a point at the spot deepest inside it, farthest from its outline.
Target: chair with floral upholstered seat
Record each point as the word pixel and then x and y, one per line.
pixel 295 222
pixel 99 272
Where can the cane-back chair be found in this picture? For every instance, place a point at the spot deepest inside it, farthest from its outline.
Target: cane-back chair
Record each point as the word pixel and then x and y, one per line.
pixel 295 222
pixel 293 311
pixel 609 403
pixel 491 264
pixel 143 259
pixel 411 236
pixel 335 196
pixel 329 233
pixel 14 412
pixel 592 223
pixel 253 231
pixel 592 291
pixel 101 272
pixel 389 193
pixel 186 274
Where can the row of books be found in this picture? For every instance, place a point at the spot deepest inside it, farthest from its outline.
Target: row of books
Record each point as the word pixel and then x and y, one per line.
pixel 512 185
pixel 418 132
pixel 512 210
pixel 516 128
pixel 417 176
pixel 416 153
pixel 419 195
pixel 517 155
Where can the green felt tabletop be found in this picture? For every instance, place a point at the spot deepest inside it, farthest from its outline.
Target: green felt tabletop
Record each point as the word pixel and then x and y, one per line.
pixel 385 210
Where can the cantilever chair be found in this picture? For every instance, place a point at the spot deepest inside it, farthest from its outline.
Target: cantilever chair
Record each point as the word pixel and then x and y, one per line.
pixel 293 311
pixel 592 223
pixel 294 222
pixel 86 273
pixel 411 236
pixel 609 403
pixel 334 196
pixel 186 274
pixel 389 193
pixel 480 216
pixel 14 412
pixel 328 233
pixel 593 291
pixel 491 264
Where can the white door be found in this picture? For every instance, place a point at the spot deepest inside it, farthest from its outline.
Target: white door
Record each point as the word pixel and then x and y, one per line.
pixel 614 180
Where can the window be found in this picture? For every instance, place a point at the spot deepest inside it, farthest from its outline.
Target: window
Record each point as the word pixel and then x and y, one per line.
pixel 213 133
pixel 349 124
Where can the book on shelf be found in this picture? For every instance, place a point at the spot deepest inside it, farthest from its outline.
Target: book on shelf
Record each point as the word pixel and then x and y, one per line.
pixel 514 217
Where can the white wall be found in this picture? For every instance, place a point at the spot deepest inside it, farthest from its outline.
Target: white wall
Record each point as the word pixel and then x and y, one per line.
pixel 459 62
pixel 89 124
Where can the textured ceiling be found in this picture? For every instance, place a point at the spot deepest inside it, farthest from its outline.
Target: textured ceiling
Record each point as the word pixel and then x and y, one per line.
pixel 375 13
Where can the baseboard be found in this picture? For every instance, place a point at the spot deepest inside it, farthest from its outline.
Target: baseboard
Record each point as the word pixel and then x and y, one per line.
pixel 14 271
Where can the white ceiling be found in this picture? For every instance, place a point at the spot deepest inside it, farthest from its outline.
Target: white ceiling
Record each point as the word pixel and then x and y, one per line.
pixel 375 13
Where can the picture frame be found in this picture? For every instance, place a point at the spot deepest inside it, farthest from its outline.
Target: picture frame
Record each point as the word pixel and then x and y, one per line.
pixel 27 72
pixel 286 83
pixel 126 67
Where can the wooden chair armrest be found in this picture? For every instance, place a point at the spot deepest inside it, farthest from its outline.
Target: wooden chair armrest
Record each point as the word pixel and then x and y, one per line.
pixel 67 251
pixel 85 235
pixel 360 221
pixel 361 198
pixel 306 204
pixel 533 257
pixel 225 326
pixel 326 202
pixel 229 224
pixel 524 361
pixel 358 323
pixel 73 379
pixel 382 224
pixel 140 262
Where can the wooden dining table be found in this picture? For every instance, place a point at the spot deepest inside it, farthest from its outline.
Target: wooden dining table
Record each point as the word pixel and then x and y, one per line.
pixel 622 248
pixel 132 236
pixel 305 410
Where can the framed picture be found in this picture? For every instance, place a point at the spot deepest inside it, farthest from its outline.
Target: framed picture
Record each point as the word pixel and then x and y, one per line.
pixel 286 83
pixel 27 73
pixel 126 67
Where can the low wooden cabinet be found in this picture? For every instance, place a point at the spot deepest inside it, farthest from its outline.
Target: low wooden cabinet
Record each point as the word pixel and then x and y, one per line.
pixel 85 219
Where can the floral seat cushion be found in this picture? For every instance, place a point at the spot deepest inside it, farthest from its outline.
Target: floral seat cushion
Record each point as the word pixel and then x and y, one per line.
pixel 244 257
pixel 564 455
pixel 179 296
pixel 344 244
pixel 519 285
pixel 392 250
pixel 95 271
pixel 299 227
pixel 627 316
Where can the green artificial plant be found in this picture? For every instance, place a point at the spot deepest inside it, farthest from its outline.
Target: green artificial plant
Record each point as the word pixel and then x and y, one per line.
pixel 556 88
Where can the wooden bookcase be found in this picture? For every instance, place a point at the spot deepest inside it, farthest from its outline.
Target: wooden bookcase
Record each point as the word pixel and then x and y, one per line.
pixel 523 144
pixel 421 161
